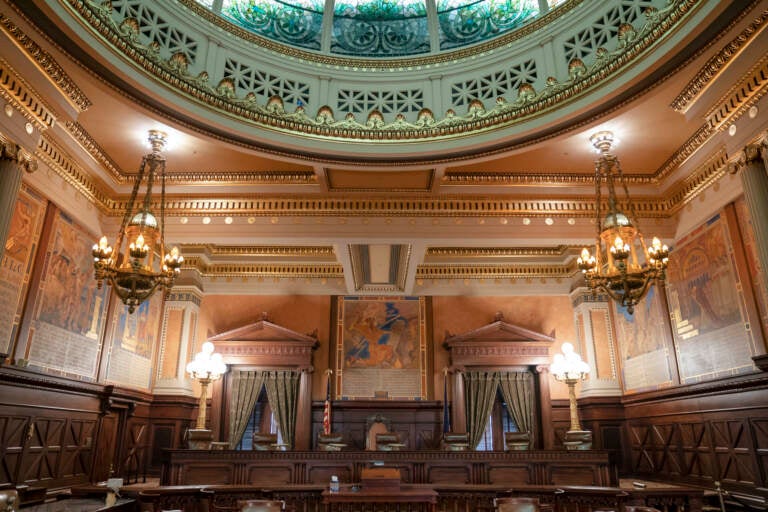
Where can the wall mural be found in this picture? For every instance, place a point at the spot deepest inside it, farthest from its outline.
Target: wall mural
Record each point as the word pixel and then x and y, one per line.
pixel 381 348
pixel 707 306
pixel 645 345
pixel 70 310
pixel 133 339
pixel 20 249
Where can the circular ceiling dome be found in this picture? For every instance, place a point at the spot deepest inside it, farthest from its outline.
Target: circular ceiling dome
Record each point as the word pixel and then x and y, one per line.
pixel 379 28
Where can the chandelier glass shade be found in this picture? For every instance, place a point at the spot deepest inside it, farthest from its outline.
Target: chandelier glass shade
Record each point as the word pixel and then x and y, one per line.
pixel 144 266
pixel 623 265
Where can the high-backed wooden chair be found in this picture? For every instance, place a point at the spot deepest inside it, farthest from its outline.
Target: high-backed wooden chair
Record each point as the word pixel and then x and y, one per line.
pixel 517 441
pixel 261 506
pixel 374 425
pixel 264 441
pixel 516 504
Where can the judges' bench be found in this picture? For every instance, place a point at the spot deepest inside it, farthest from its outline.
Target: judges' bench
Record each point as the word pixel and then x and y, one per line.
pixel 264 469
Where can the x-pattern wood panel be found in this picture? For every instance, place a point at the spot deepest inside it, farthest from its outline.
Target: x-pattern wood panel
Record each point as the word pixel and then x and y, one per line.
pixel 43 451
pixel 76 449
pixel 696 450
pixel 760 429
pixel 732 451
pixel 13 431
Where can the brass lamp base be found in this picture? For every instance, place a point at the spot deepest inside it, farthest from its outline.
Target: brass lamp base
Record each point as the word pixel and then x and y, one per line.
pixel 199 439
pixel 578 440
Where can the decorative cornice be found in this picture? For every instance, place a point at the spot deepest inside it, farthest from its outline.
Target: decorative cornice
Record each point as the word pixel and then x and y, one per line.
pixel 63 164
pixel 22 97
pixel 281 270
pixel 688 148
pixel 716 63
pixel 222 97
pixel 752 86
pixel 397 64
pixel 312 205
pixel 9 150
pixel 697 182
pixel 431 271
pixel 262 251
pixel 499 252
pixel 47 64
pixel 496 178
pixel 95 150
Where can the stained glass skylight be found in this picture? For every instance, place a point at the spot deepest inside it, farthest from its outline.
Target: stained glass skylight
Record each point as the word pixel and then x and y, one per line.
pixel 380 28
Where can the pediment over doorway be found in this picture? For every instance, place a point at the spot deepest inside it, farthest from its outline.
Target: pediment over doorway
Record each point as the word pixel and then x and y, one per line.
pixel 263 343
pixel 499 343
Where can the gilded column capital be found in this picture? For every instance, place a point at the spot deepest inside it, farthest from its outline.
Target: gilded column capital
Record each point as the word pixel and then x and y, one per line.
pixel 9 150
pixel 753 153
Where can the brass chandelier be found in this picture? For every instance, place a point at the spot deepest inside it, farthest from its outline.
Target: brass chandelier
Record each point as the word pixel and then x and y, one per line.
pixel 615 267
pixel 144 266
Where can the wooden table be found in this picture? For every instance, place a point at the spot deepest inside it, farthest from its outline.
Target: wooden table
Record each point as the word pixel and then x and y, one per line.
pixel 403 499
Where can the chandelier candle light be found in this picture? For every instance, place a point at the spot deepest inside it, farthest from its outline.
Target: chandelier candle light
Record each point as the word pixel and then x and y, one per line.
pixel 615 267
pixel 136 274
pixel 206 367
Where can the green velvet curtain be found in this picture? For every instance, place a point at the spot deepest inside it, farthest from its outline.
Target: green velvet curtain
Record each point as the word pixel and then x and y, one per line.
pixel 283 395
pixel 518 391
pixel 480 389
pixel 246 386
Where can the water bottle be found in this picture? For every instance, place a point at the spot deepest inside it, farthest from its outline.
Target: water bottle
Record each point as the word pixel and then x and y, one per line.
pixel 334 484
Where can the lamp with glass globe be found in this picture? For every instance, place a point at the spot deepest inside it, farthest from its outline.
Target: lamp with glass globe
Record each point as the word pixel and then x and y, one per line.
pixel 568 367
pixel 206 367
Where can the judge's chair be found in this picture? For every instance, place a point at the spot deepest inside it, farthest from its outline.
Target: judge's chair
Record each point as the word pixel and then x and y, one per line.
pixel 380 436
pixel 514 441
pixel 264 441
pixel 261 506
pixel 456 441
pixel 332 442
pixel 516 504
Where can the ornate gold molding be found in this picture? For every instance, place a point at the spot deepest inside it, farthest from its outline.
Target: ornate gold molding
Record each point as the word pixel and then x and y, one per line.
pixel 9 150
pixel 431 271
pixel 694 184
pixel 63 164
pixel 262 251
pixel 498 252
pixel 688 148
pixel 19 94
pixel 739 98
pixel 714 66
pixel 266 270
pixel 47 64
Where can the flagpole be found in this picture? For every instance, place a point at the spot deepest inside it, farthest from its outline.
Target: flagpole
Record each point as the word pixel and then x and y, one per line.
pixel 327 404
pixel 446 415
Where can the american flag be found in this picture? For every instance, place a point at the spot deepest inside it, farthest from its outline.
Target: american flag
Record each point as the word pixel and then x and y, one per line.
pixel 327 408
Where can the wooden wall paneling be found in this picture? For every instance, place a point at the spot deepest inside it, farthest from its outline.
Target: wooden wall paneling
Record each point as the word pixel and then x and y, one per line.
pixel 714 431
pixel 13 433
pixel 105 459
